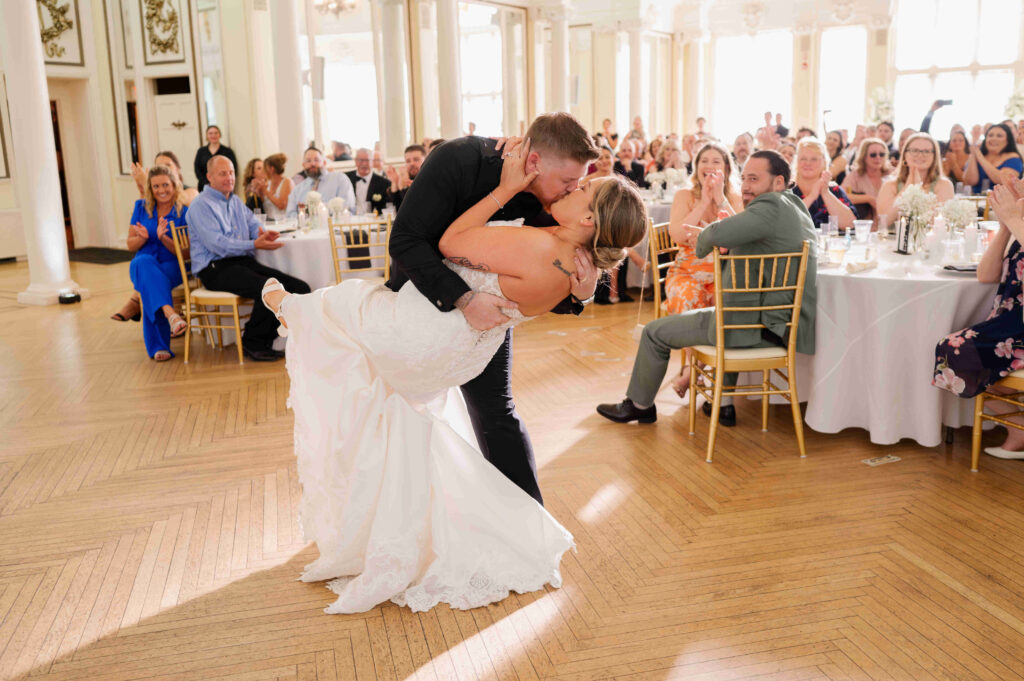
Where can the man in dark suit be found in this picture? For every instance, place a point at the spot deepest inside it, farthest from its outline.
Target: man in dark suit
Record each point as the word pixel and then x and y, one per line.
pixel 459 174
pixel 628 166
pixel 369 185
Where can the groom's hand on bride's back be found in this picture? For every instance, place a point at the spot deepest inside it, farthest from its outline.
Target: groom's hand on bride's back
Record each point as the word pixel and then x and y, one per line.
pixel 483 310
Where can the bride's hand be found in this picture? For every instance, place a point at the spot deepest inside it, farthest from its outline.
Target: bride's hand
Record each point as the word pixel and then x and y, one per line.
pixel 514 177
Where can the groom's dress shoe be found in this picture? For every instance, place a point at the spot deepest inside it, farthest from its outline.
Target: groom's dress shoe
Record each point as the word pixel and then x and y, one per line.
pixel 726 414
pixel 625 411
pixel 1001 453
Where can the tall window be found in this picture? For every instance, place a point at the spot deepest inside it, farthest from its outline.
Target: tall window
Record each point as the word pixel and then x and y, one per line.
pixel 350 74
pixel 842 77
pixel 493 51
pixel 962 50
pixel 752 74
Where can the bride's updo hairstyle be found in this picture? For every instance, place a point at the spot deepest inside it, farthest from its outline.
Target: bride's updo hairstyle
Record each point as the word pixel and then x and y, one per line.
pixel 620 220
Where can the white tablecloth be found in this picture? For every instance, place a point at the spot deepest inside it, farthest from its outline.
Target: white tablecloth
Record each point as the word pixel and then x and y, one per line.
pixel 875 349
pixel 658 212
pixel 307 255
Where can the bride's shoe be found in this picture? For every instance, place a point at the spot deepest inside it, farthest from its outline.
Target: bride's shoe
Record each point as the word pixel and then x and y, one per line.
pixel 269 287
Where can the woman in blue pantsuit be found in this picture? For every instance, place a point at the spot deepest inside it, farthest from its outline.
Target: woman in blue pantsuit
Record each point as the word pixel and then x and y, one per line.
pixel 154 269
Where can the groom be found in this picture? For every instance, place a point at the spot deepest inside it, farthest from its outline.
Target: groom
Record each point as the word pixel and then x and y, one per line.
pixel 456 176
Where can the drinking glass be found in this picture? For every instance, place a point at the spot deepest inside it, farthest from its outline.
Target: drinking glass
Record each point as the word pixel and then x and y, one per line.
pixel 822 244
pixel 960 189
pixel 833 224
pixel 836 249
pixel 953 251
pixel 861 229
pixel 871 250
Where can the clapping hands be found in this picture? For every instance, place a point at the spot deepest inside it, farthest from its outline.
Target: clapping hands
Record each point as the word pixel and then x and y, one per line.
pixel 267 240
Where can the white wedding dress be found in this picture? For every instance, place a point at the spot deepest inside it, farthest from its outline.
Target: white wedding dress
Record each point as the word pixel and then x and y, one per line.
pixel 396 494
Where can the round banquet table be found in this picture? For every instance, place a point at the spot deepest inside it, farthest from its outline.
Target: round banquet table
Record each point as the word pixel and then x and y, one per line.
pixel 307 255
pixel 875 340
pixel 658 210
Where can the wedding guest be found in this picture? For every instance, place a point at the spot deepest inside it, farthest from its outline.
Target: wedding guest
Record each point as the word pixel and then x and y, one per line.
pixel 378 162
pixel 741 149
pixel 995 161
pixel 788 151
pixel 212 148
pixel 700 131
pixel 402 178
pixel 669 157
pixel 154 270
pixel 254 182
pixel 637 134
pixel 837 162
pixel 868 173
pixel 920 165
pixel 277 189
pixel 774 221
pixel 224 237
pixel 610 135
pixel 650 159
pixel 328 184
pixel 781 130
pixel 815 187
pixel 957 156
pixel 627 164
pixel 905 134
pixel 370 187
pixel 169 159
pixel 604 165
pixel 971 360
pixel 340 151
pixel 690 281
pixel 885 131
pixel 805 132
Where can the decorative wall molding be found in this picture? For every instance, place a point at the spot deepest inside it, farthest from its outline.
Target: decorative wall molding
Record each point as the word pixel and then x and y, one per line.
pixel 5 166
pixel 163 41
pixel 60 32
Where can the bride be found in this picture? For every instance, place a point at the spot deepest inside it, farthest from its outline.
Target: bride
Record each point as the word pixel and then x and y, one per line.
pixel 396 494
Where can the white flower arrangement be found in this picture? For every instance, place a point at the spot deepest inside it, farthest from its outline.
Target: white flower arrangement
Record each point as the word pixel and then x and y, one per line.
pixel 336 206
pixel 958 213
pixel 313 201
pixel 657 177
pixel 1015 105
pixel 675 176
pixel 918 206
pixel 881 105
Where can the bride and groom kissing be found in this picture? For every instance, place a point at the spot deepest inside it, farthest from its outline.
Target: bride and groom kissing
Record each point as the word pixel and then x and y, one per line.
pixel 419 480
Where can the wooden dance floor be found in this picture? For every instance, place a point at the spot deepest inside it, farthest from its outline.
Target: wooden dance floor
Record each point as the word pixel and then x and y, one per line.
pixel 148 530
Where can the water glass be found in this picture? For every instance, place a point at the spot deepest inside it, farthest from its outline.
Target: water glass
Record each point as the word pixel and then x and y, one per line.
pixel 862 228
pixel 833 224
pixel 953 251
pixel 871 250
pixel 836 249
pixel 822 244
pixel 960 189
pixel 261 218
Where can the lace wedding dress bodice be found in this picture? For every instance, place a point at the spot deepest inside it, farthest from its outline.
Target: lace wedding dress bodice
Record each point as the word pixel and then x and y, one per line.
pixel 396 494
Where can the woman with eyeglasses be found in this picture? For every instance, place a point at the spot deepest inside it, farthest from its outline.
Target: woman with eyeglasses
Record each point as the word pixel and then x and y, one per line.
pixel 919 164
pixel 995 161
pixel 869 171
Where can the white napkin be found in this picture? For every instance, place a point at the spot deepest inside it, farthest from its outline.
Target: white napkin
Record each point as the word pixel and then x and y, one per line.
pixel 855 266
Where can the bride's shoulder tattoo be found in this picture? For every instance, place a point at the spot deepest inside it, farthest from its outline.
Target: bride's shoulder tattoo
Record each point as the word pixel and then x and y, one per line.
pixel 558 264
pixel 466 262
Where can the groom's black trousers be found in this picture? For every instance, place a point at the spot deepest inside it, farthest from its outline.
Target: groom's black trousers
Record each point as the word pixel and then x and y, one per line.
pixel 502 436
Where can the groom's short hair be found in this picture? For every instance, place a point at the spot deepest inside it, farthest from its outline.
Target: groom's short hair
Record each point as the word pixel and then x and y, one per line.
pixel 560 135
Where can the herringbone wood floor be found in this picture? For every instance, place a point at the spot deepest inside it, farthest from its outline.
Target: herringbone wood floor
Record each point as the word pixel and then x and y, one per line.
pixel 148 531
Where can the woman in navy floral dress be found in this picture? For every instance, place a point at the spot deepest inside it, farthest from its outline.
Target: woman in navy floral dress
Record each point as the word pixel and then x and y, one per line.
pixel 969 361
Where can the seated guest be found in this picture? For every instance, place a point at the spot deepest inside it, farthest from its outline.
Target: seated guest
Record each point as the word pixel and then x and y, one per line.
pixel 885 132
pixel 690 281
pixel 995 161
pixel 170 160
pixel 378 162
pixel 212 148
pixel 669 156
pixel 919 165
pixel 788 151
pixel 741 148
pixel 319 179
pixel 774 221
pixel 340 151
pixel 868 172
pixel 603 165
pixel 277 189
pixel 369 187
pixel 402 178
pixel 154 269
pixel 254 182
pixel 815 187
pixel 225 235
pixel 650 158
pixel 957 156
pixel 837 161
pixel 971 360
pixel 627 164
pixel 434 144
pixel 805 132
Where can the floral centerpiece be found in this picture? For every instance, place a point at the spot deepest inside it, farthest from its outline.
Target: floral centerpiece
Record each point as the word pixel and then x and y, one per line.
pixel 313 202
pixel 336 207
pixel 958 213
pixel 918 207
pixel 674 176
pixel 1015 105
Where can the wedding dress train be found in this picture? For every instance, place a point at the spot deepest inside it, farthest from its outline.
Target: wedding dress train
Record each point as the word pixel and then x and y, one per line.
pixel 396 494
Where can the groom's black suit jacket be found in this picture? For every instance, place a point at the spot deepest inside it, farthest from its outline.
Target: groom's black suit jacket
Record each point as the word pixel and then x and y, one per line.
pixel 455 176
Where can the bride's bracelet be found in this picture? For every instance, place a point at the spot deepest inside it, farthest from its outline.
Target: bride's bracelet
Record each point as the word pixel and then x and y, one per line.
pixel 493 198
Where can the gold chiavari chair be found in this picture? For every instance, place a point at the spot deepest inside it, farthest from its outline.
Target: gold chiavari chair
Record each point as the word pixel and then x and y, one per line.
pixel 353 245
pixel 762 274
pixel 202 305
pixel 660 243
pixel 1014 381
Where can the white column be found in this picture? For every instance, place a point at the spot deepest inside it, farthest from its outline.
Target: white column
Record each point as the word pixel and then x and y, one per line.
pixel 558 17
pixel 449 68
pixel 636 78
pixel 395 136
pixel 288 80
pixel 35 155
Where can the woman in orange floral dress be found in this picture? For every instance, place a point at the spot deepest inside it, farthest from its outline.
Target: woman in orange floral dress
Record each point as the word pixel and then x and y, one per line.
pixel 690 281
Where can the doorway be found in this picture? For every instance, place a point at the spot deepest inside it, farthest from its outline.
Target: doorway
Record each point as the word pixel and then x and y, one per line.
pixel 64 203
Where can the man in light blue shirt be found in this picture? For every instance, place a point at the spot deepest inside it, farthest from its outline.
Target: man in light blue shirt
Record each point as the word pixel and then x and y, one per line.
pixel 329 185
pixel 225 235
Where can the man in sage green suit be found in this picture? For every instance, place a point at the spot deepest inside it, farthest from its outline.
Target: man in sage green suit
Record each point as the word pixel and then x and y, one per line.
pixel 774 220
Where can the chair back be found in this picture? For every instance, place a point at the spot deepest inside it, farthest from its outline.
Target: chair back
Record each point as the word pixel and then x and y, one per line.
pixel 353 246
pixel 182 249
pixel 660 243
pixel 770 273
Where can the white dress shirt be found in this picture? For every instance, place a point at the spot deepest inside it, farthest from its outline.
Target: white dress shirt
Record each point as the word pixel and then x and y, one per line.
pixel 330 185
pixel 362 187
